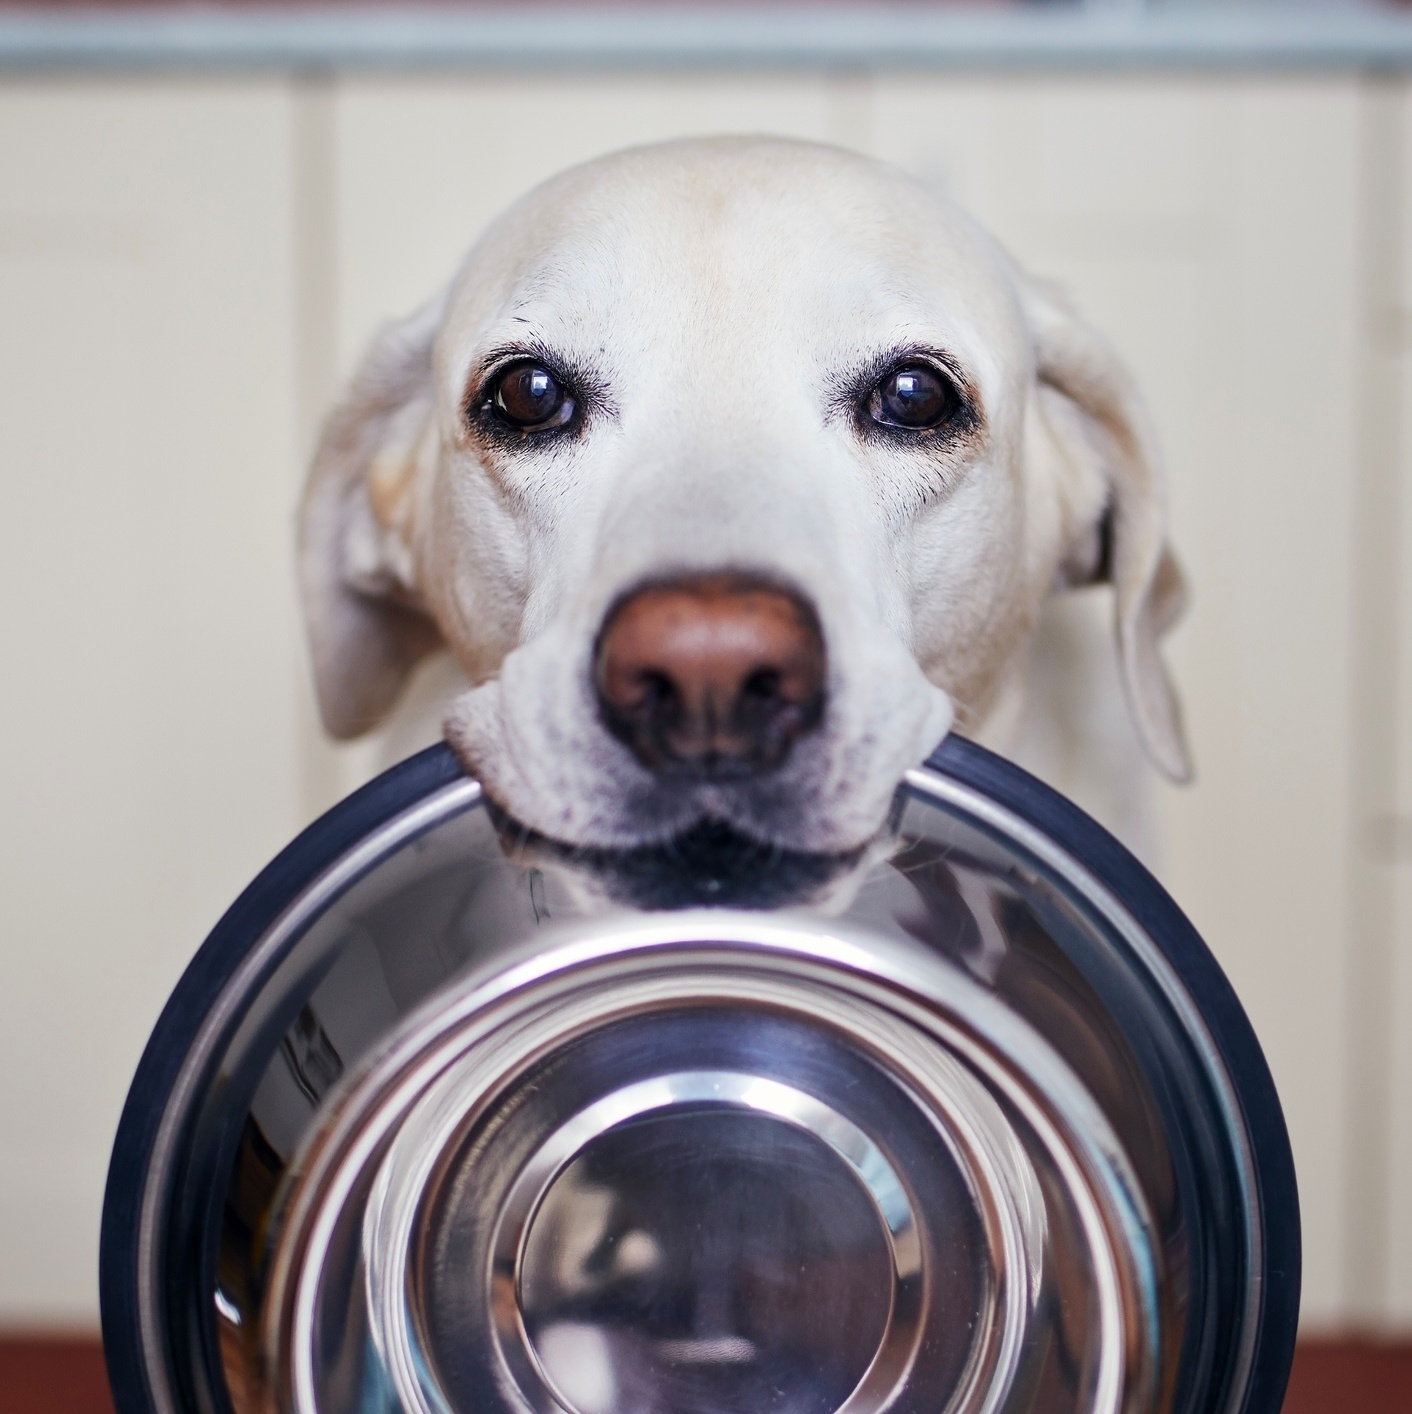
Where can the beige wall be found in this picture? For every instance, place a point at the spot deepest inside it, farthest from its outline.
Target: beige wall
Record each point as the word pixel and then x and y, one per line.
pixel 186 272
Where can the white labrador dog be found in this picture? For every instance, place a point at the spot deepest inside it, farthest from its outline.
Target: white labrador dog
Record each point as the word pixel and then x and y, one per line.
pixel 733 474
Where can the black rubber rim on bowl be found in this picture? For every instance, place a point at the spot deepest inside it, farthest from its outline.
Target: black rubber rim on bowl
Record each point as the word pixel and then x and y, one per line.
pixel 395 791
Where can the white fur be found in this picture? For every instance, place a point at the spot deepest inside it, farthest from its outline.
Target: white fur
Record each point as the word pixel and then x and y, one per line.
pixel 720 295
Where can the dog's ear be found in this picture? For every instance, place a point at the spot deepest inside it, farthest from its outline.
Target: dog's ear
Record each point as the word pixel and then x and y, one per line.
pixel 1116 509
pixel 366 624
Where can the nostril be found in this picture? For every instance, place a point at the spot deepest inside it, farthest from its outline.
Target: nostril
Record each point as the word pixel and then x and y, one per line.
pixel 763 685
pixel 656 690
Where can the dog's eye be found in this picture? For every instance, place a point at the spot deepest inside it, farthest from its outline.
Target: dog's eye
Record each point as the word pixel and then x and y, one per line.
pixel 529 397
pixel 915 396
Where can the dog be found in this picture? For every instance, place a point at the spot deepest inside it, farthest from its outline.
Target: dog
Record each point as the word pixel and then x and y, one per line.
pixel 733 474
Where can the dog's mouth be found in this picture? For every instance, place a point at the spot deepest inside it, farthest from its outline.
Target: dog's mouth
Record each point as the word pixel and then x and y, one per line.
pixel 710 864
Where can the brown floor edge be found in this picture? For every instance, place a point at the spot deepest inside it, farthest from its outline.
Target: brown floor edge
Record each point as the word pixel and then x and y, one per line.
pixel 65 1376
pixel 58 1375
pixel 1350 1377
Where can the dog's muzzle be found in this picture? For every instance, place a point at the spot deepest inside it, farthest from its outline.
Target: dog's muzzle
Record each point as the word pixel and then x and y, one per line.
pixel 420 1132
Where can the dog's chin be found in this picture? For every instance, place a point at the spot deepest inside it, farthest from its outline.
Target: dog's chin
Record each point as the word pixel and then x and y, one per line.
pixel 711 863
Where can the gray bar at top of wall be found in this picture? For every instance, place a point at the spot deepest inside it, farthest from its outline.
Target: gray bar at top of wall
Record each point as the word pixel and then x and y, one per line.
pixel 1117 34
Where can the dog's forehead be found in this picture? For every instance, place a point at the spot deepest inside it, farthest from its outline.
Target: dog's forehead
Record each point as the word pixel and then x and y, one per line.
pixel 733 244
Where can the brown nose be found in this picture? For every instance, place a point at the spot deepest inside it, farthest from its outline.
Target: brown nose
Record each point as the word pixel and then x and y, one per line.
pixel 713 676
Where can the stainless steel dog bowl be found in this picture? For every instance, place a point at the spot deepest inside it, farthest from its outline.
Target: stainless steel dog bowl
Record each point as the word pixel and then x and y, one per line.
pixel 442 1121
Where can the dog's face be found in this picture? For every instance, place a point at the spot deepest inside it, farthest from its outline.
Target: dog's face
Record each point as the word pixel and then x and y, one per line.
pixel 730 472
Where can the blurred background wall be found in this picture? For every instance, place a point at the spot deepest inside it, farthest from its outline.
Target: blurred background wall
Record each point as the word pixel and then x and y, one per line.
pixel 191 262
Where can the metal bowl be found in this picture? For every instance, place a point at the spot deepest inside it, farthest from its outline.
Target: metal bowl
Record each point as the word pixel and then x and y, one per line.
pixel 443 1120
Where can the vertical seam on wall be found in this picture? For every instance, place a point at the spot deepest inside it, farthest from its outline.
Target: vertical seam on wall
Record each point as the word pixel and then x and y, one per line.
pixel 1373 639
pixel 314 113
pixel 316 248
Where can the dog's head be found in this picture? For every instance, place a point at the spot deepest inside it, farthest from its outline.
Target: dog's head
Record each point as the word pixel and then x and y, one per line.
pixel 730 472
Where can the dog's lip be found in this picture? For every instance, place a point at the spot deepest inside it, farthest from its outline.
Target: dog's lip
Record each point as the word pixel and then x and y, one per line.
pixel 710 862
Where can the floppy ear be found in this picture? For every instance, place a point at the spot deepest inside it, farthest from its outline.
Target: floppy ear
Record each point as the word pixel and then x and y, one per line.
pixel 366 624
pixel 1119 532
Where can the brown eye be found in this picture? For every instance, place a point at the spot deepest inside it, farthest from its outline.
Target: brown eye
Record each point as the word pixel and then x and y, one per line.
pixel 530 398
pixel 915 396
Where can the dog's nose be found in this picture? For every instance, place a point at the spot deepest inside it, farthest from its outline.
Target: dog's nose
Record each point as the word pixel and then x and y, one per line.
pixel 715 676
